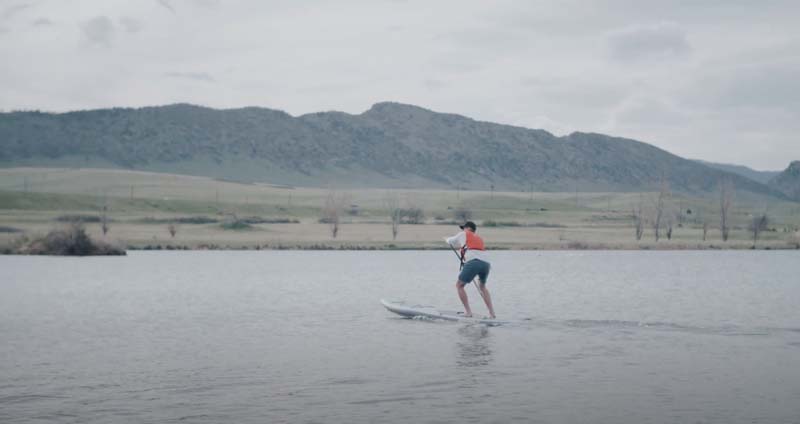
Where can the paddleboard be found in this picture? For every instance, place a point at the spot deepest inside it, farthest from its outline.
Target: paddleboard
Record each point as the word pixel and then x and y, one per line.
pixel 412 311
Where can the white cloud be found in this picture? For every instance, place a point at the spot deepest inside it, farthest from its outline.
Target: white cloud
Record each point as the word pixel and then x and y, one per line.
pixel 10 11
pixel 207 3
pixel 42 22
pixel 711 80
pixel 193 76
pixel 664 40
pixel 647 111
pixel 765 85
pixel 131 25
pixel 166 5
pixel 99 30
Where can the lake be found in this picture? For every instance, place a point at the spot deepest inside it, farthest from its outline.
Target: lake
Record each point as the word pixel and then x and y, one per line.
pixel 299 336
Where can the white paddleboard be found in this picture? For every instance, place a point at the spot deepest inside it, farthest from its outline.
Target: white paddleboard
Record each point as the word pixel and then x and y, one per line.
pixel 411 311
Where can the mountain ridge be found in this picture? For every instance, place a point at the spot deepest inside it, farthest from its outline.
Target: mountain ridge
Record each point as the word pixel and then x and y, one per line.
pixel 389 145
pixel 745 171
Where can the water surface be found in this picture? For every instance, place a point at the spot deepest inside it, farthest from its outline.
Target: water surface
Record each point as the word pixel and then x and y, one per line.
pixel 208 337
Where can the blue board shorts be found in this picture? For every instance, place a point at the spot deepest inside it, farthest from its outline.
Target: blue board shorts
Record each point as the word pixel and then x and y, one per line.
pixel 475 267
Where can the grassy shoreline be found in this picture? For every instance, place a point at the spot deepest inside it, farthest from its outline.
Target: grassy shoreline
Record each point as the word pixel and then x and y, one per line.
pixel 169 247
pixel 169 212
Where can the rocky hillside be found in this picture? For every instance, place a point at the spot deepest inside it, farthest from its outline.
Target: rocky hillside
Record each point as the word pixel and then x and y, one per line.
pixel 788 181
pixel 390 145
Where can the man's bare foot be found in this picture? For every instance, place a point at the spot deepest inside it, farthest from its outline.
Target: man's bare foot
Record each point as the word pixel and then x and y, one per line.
pixel 466 314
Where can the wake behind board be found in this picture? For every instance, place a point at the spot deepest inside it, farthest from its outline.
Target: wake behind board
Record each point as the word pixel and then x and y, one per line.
pixel 412 311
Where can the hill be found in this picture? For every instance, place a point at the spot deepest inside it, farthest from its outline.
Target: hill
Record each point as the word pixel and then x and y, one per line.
pixel 788 181
pixel 761 176
pixel 390 145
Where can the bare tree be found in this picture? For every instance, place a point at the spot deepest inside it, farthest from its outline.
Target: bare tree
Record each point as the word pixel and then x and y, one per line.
pixel 332 211
pixel 104 221
pixel 725 203
pixel 638 218
pixel 758 224
pixel 659 206
pixel 412 214
pixel 395 213
pixel 700 217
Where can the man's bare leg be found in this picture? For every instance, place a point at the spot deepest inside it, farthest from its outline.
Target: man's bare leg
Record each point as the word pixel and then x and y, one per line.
pixel 462 294
pixel 487 298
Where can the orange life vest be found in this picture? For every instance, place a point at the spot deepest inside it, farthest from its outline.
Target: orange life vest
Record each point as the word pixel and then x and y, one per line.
pixel 474 242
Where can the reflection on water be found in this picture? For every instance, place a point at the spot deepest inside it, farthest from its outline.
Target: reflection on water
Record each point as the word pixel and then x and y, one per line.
pixel 473 346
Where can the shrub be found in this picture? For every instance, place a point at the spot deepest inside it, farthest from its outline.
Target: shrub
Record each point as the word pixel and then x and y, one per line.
pixel 196 220
pixel 491 223
pixel 462 213
pixel 412 216
pixel 4 229
pixel 78 218
pixel 71 241
pixel 234 223
pixel 259 220
pixel 546 225
pixel 180 220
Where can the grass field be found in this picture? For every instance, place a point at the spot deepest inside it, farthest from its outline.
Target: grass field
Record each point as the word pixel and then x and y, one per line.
pixel 141 205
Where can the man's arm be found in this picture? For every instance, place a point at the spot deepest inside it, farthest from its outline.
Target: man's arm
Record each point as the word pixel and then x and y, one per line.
pixel 457 240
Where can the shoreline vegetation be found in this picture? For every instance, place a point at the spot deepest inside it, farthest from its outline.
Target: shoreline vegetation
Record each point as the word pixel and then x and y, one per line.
pixel 41 209
pixel 72 240
pixel 389 247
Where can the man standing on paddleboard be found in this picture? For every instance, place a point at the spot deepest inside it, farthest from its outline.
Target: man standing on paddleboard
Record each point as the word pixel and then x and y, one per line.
pixel 475 263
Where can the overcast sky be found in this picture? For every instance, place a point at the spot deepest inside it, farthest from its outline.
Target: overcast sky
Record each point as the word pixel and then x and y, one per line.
pixel 717 80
